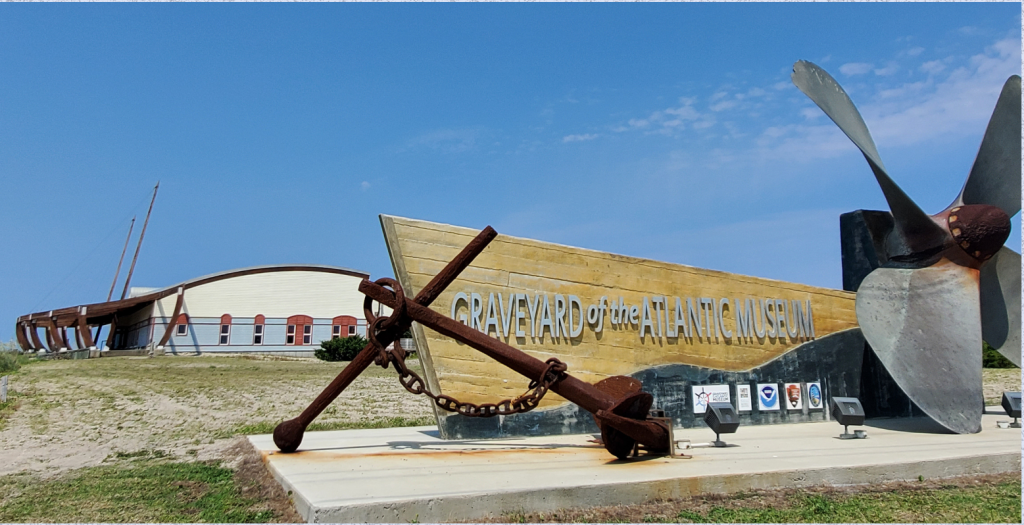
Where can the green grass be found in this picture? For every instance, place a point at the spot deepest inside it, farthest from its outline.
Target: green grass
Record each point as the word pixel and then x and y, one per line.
pixel 267 427
pixel 9 362
pixel 994 504
pixel 986 499
pixel 7 410
pixel 139 490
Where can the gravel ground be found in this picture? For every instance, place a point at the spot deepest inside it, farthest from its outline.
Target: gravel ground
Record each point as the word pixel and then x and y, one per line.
pixel 73 414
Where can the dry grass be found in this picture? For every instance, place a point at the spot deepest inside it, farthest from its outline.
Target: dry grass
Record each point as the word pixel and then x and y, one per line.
pixel 256 483
pixel 74 414
pixel 999 380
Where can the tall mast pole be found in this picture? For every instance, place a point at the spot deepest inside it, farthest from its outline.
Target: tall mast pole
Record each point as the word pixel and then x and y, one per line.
pixel 121 260
pixel 117 272
pixel 145 223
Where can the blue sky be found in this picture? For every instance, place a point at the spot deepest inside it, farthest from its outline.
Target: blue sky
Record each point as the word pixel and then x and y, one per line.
pixel 279 132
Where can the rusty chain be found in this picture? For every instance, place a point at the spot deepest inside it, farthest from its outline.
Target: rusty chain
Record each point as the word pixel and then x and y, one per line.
pixel 412 382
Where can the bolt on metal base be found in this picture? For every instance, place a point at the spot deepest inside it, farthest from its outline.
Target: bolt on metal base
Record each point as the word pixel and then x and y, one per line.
pixel 857 434
pixel 675 446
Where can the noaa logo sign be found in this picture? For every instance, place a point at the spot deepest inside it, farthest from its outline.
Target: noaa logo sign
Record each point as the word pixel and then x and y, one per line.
pixel 768 396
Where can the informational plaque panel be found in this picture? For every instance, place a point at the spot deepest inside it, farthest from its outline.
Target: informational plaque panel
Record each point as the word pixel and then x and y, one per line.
pixel 671 326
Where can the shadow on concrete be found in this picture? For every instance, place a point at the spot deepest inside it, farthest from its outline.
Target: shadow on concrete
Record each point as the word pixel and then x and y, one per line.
pixel 466 445
pixel 916 425
pixel 480 444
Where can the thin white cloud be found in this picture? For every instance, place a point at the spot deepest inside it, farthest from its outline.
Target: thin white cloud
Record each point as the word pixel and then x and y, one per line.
pixel 723 105
pixel 855 68
pixel 670 120
pixel 889 69
pixel 683 112
pixel 915 51
pixel 364 185
pixel 639 123
pixel 811 113
pixel 580 138
pixel 447 140
pixel 932 67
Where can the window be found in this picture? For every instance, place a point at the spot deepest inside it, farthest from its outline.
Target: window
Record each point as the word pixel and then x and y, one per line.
pixel 181 325
pixel 344 325
pixel 225 329
pixel 307 334
pixel 290 340
pixel 336 333
pixel 257 330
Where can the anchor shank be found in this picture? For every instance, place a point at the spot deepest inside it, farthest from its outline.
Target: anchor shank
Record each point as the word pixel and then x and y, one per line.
pixel 426 296
pixel 288 434
pixel 360 363
pixel 583 394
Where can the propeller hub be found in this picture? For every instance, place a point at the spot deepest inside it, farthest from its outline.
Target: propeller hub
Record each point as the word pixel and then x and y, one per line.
pixel 978 229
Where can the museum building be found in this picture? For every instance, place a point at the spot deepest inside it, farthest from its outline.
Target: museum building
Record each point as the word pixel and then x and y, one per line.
pixel 281 310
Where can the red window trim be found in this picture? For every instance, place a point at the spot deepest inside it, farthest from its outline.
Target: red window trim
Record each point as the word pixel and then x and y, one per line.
pixel 298 335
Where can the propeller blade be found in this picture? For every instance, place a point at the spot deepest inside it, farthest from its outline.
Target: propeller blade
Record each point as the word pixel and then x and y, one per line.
pixel 995 177
pixel 1000 303
pixel 924 325
pixel 917 229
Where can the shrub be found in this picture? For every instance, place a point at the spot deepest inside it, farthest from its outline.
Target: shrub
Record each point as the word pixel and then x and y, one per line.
pixel 8 362
pixel 340 348
pixel 991 358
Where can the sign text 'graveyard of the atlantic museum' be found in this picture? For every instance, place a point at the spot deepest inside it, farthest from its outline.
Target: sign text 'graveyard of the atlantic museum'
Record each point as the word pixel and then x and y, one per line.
pixel 564 318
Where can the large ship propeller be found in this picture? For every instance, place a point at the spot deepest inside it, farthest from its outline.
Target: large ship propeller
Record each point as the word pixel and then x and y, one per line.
pixel 949 282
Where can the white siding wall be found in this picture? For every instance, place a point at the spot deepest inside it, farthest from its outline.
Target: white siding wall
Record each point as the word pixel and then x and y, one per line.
pixel 274 294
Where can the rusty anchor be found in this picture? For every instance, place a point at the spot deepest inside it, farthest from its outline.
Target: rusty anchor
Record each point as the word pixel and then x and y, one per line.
pixel 617 403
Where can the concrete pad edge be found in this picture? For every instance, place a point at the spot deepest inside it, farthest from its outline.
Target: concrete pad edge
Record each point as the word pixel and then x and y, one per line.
pixel 443 509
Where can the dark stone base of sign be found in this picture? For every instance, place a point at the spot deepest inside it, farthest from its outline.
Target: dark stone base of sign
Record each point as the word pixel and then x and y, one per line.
pixel 862 235
pixel 879 394
pixel 834 361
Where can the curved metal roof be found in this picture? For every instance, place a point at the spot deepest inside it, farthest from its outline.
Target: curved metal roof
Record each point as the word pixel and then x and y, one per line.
pixel 100 313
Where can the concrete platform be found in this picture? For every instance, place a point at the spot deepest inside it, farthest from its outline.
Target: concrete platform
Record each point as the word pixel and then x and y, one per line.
pixel 409 474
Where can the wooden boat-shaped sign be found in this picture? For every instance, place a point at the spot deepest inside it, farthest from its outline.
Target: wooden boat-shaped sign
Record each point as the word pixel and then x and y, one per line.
pixel 774 349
